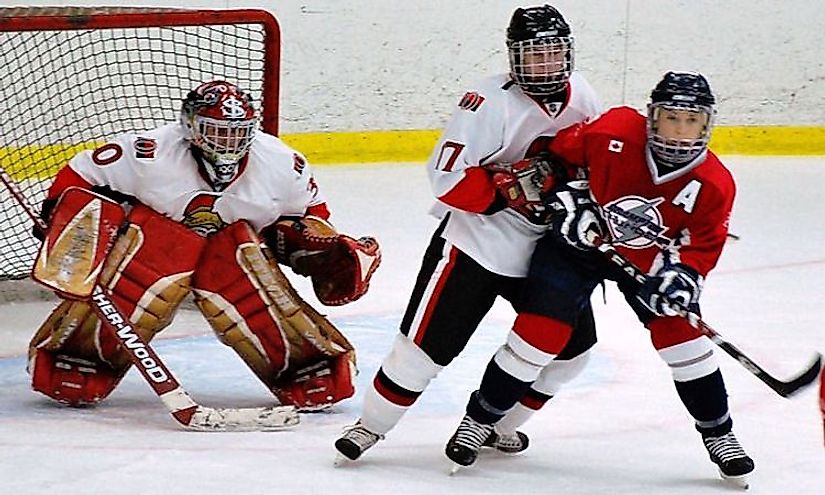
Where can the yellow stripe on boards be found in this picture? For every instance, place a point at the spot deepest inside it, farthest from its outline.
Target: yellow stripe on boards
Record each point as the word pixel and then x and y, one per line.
pixel 768 140
pixel 323 148
pixel 365 147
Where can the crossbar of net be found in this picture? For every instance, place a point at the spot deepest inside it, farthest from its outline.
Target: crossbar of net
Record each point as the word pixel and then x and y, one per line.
pixel 65 91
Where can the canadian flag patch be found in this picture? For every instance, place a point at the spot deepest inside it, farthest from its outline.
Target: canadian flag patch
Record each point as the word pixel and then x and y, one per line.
pixel 615 146
pixel 471 101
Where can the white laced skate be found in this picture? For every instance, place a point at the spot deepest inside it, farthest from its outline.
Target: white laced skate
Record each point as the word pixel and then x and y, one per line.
pixel 464 445
pixel 507 443
pixel 354 442
pixel 734 464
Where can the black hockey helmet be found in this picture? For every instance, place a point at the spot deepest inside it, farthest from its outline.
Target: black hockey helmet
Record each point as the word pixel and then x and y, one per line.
pixel 536 22
pixel 686 91
pixel 540 49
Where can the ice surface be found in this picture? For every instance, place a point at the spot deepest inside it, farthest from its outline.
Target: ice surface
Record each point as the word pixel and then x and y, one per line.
pixel 617 429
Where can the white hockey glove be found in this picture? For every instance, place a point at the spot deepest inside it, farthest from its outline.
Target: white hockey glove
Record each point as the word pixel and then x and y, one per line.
pixel 672 291
pixel 524 185
pixel 576 218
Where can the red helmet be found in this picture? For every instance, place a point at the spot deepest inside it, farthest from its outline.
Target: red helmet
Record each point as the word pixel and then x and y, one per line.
pixel 221 122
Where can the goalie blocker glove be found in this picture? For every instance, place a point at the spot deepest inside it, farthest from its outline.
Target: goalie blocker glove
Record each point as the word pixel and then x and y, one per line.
pixel 672 291
pixel 340 266
pixel 576 218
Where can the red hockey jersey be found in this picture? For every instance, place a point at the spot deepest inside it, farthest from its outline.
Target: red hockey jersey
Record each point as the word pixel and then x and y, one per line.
pixel 651 213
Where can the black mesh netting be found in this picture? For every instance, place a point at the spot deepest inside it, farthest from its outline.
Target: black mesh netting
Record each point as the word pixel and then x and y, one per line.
pixel 64 91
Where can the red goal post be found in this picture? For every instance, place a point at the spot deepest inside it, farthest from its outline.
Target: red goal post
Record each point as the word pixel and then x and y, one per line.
pixel 75 76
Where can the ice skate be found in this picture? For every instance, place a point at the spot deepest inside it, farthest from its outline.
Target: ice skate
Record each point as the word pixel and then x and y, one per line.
pixel 508 444
pixel 354 442
pixel 734 464
pixel 464 445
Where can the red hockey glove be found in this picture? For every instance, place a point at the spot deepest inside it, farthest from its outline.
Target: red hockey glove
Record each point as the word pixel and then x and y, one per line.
pixel 346 274
pixel 524 184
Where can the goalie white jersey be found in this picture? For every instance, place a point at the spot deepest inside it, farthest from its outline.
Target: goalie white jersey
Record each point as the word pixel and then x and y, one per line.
pixel 274 179
pixel 497 123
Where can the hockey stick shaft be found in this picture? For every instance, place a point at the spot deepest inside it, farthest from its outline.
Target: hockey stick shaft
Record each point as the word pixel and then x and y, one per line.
pixel 783 388
pixel 183 409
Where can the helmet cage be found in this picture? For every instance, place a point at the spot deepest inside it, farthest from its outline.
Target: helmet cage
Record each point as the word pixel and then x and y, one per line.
pixel 541 66
pixel 223 142
pixel 674 151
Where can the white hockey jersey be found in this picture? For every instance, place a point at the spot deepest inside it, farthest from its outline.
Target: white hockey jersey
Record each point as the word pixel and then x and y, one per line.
pixel 158 168
pixel 497 123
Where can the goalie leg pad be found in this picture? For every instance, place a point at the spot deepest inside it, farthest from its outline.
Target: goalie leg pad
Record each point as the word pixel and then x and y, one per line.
pixel 320 384
pixel 147 272
pixel 65 361
pixel 253 308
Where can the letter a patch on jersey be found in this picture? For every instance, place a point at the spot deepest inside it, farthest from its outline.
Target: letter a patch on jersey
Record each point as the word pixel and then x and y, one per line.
pixel 471 101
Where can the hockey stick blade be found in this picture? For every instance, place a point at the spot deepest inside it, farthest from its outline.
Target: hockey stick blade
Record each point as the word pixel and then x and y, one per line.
pixel 790 387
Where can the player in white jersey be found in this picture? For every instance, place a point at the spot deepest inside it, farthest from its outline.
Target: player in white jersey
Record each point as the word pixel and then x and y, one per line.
pixel 211 207
pixel 488 178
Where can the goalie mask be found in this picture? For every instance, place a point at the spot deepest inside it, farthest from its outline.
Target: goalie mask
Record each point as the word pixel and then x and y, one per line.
pixel 540 49
pixel 680 118
pixel 221 123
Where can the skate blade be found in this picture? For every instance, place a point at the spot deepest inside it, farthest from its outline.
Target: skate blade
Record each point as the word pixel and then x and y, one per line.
pixel 341 460
pixel 737 481
pixel 454 469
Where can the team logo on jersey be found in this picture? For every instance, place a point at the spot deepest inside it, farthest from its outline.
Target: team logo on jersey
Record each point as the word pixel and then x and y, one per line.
pixel 298 163
pixel 145 148
pixel 635 222
pixel 471 101
pixel 200 215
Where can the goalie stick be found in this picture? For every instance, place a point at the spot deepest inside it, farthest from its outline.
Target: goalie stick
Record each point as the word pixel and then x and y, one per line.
pixel 181 406
pixel 783 388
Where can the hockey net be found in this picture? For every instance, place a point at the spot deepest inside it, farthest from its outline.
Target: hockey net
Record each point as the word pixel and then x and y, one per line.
pixel 75 76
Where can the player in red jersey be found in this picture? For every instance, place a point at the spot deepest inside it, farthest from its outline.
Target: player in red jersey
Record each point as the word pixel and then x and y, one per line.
pixel 663 199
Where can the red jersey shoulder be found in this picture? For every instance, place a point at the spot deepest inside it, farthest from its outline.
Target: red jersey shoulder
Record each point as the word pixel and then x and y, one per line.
pixel 713 172
pixel 620 122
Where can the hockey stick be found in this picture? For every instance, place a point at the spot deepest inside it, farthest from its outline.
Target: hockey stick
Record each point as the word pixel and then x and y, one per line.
pixel 186 411
pixel 783 388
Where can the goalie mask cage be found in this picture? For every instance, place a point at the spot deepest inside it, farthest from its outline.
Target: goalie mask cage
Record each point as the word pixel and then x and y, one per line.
pixel 73 77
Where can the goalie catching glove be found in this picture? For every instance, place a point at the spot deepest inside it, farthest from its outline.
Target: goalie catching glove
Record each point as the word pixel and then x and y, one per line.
pixel 524 185
pixel 340 266
pixel 576 218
